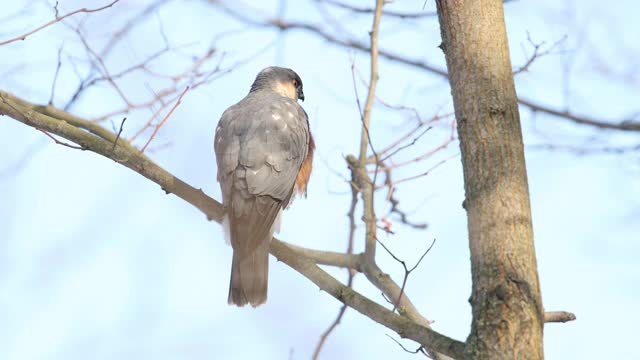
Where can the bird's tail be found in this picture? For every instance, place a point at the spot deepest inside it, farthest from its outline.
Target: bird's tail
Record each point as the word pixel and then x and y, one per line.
pixel 250 276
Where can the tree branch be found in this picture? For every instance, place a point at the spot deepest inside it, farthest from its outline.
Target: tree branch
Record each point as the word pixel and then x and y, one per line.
pixel 558 316
pixel 400 324
pixel 348 261
pixel 369 11
pixel 284 25
pixel 157 127
pixel 125 154
pixel 364 183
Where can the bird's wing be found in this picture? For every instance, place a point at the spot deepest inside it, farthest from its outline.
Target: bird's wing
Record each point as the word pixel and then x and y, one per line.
pixel 260 145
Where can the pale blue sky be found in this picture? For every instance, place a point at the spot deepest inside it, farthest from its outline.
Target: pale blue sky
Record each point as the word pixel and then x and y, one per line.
pixel 97 262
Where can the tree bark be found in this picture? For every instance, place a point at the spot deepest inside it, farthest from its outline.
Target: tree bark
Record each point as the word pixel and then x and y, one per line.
pixel 507 308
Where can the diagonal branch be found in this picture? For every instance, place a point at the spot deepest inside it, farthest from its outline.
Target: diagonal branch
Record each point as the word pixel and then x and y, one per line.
pixel 126 155
pixel 90 136
pixel 164 120
pixel 400 324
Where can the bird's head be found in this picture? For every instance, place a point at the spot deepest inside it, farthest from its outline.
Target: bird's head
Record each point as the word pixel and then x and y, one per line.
pixel 284 81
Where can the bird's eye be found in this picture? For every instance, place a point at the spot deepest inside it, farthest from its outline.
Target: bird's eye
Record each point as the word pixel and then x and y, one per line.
pixel 295 82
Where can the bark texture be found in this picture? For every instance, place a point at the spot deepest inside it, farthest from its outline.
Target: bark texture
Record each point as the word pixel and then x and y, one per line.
pixel 507 309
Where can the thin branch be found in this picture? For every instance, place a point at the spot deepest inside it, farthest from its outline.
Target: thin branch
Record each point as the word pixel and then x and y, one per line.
pixel 330 258
pixel 395 208
pixel 102 67
pixel 365 129
pixel 361 10
pixel 56 20
pixel 61 142
pixel 437 165
pixel 421 123
pixel 55 76
pixel 130 25
pixel 334 324
pixel 351 238
pixel 625 125
pixel 155 131
pixel 119 133
pixel 192 76
pixel 413 142
pixel 537 52
pixel 582 150
pixel 407 271
pixel 113 41
pixel 421 157
pixel 364 183
pixel 420 349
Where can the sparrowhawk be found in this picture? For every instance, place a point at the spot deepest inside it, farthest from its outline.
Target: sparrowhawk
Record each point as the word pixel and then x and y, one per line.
pixel 264 151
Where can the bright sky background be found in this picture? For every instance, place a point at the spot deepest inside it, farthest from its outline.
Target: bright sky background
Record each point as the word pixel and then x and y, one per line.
pixel 96 262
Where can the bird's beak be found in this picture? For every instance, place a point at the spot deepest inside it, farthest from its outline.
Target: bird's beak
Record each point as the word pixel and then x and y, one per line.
pixel 301 95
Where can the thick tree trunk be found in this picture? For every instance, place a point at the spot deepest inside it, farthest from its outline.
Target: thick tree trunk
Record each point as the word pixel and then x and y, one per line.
pixel 507 308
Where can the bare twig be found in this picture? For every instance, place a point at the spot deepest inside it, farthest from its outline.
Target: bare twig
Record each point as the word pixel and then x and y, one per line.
pixel 119 133
pixel 102 67
pixel 420 349
pixel 444 145
pixel 157 128
pixel 407 271
pixel 365 129
pixel 420 125
pixel 352 230
pixel 61 142
pixel 55 76
pixel 425 173
pixel 537 52
pixel 413 142
pixel 193 76
pixel 333 325
pixel 395 204
pixel 130 25
pixel 56 20
pixel 113 41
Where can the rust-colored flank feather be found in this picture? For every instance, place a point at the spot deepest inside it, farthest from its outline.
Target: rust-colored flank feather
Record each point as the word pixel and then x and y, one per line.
pixel 302 179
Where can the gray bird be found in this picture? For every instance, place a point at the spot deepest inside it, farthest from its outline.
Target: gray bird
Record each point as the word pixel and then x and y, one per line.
pixel 264 151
